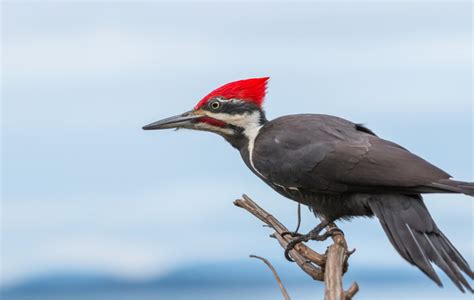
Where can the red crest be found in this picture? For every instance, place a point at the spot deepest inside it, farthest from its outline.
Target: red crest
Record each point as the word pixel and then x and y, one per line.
pixel 252 90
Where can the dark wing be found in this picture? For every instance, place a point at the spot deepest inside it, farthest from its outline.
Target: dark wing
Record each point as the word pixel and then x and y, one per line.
pixel 331 154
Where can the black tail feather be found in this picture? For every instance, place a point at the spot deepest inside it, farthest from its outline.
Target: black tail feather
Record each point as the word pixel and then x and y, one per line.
pixel 454 186
pixel 411 230
pixel 454 253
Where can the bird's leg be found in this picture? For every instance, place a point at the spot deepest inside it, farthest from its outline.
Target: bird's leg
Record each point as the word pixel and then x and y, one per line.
pixel 313 235
pixel 295 233
pixel 299 218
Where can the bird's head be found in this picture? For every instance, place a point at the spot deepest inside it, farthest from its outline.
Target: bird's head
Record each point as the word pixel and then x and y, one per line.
pixel 228 110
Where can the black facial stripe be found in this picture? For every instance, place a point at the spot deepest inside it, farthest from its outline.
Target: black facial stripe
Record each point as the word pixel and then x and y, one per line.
pixel 236 107
pixel 231 106
pixel 236 129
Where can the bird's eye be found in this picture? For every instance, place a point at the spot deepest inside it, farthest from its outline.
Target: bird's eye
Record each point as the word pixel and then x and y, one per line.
pixel 215 105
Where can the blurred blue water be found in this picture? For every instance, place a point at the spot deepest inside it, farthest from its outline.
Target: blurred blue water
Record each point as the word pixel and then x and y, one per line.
pixel 272 292
pixel 261 293
pixel 232 280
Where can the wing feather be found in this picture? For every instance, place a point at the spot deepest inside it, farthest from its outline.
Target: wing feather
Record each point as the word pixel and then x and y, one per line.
pixel 327 153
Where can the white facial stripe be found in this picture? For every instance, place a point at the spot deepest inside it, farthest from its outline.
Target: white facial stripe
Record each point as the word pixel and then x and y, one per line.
pixel 217 129
pixel 245 120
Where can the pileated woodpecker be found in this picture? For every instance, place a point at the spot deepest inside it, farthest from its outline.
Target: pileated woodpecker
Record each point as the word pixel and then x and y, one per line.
pixel 337 168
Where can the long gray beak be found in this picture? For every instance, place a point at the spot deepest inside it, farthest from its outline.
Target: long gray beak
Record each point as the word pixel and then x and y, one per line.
pixel 182 120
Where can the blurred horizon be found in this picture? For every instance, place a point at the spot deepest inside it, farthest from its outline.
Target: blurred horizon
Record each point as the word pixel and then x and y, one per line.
pixel 84 189
pixel 249 279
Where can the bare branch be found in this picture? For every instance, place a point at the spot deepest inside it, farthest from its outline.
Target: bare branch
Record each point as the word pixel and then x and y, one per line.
pixel 328 268
pixel 351 291
pixel 302 255
pixel 277 278
pixel 333 272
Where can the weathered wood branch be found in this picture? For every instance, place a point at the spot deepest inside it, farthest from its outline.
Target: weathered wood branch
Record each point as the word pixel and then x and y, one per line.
pixel 329 267
pixel 307 259
pixel 275 274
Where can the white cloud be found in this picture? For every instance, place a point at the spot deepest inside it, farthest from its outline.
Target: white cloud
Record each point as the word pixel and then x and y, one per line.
pixel 108 51
pixel 105 51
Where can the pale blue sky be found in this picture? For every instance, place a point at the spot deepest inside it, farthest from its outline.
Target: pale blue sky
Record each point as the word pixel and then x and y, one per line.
pixel 85 188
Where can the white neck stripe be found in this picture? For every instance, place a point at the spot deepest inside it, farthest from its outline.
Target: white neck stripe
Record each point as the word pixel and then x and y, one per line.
pixel 251 135
pixel 250 122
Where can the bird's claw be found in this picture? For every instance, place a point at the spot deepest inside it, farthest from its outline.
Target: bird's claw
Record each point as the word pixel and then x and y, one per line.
pixel 334 230
pixel 313 235
pixel 291 244
pixel 290 233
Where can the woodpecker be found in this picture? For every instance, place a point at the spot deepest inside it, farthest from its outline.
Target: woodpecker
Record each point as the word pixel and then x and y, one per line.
pixel 337 168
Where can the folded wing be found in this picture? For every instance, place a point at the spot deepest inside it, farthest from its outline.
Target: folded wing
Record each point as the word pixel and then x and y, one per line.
pixel 327 153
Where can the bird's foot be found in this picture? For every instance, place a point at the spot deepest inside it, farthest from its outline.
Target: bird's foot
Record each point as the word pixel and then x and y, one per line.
pixel 313 235
pixel 291 233
pixel 334 230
